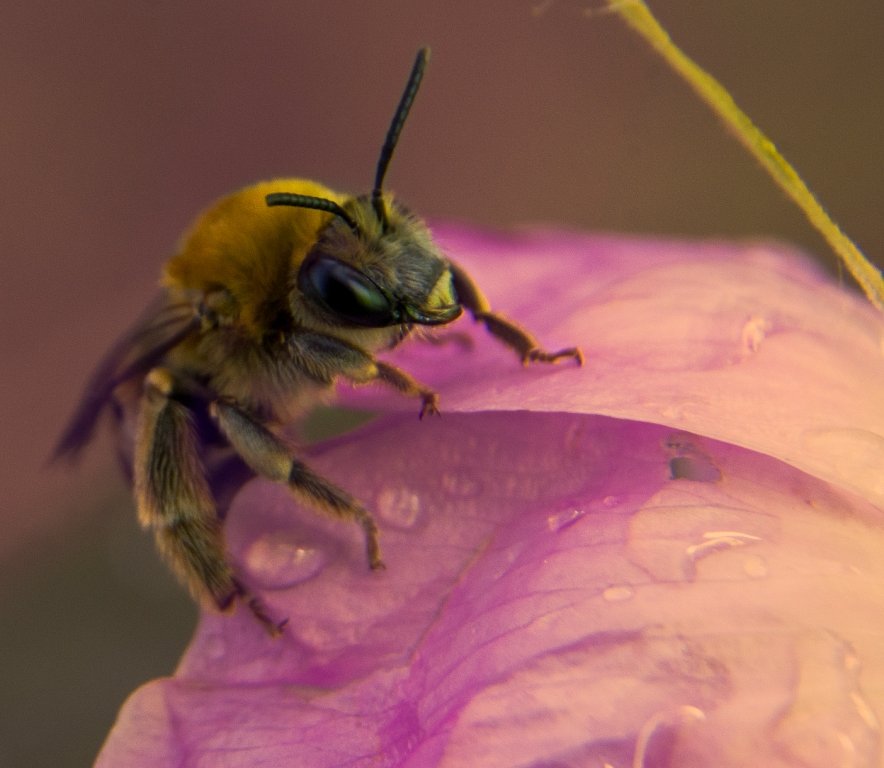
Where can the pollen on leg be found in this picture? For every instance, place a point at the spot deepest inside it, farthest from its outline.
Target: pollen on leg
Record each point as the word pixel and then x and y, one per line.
pixel 161 380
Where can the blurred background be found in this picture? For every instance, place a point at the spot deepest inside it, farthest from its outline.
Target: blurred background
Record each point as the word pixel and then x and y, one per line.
pixel 121 121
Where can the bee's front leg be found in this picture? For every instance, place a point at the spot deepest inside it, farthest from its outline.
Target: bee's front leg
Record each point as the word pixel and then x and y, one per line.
pixel 507 331
pixel 271 457
pixel 326 358
pixel 174 499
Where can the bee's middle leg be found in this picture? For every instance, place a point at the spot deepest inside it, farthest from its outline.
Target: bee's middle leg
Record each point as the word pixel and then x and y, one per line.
pixel 174 499
pixel 270 456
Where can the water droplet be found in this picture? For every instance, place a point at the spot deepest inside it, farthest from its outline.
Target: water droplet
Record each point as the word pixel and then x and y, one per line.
pixel 865 711
pixel 754 332
pixel 672 413
pixel 618 593
pixel 611 501
pixel 399 506
pixel 829 721
pixel 717 541
pixel 738 535
pixel 564 519
pixel 657 732
pixel 755 567
pixel 279 560
pixel 697 552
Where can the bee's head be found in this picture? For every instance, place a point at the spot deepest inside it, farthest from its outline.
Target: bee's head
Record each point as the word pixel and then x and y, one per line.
pixel 374 264
pixel 368 273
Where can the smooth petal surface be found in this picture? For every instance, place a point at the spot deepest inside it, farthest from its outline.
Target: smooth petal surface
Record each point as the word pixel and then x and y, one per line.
pixel 671 556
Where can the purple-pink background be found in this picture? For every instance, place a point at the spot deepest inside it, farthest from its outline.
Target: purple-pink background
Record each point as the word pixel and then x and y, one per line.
pixel 120 121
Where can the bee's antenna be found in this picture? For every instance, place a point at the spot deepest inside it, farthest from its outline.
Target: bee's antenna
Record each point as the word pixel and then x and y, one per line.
pixel 414 81
pixel 307 201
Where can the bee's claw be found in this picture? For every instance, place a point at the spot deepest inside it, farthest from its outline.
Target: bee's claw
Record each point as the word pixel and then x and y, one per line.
pixel 538 355
pixel 429 405
pixel 274 628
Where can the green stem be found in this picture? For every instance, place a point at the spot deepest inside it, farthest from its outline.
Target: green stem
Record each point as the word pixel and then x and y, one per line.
pixel 640 18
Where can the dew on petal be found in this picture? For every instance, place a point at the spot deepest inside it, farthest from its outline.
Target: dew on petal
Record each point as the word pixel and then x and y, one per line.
pixel 741 536
pixel 754 332
pixel 279 560
pixel 713 542
pixel 661 727
pixel 755 567
pixel 489 623
pixel 864 710
pixel 561 520
pixel 618 593
pixel 672 412
pixel 829 721
pixel 399 506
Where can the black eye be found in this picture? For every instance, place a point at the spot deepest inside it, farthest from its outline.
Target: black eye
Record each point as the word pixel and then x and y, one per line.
pixel 346 292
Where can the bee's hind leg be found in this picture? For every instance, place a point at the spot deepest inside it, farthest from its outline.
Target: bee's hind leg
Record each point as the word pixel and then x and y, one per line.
pixel 271 457
pixel 174 499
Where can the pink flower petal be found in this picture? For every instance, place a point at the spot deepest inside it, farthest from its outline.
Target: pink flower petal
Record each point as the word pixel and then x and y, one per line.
pixel 750 344
pixel 565 587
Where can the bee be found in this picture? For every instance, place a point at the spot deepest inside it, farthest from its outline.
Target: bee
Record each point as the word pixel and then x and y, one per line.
pixel 277 292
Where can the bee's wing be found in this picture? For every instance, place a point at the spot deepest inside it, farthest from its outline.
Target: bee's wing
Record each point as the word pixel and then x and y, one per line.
pixel 161 327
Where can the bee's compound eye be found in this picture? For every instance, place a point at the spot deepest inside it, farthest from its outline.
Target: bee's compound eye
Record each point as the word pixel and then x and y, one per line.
pixel 346 292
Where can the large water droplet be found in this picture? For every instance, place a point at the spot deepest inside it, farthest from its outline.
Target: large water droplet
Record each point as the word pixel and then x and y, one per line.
pixel 279 560
pixel 657 734
pixel 399 506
